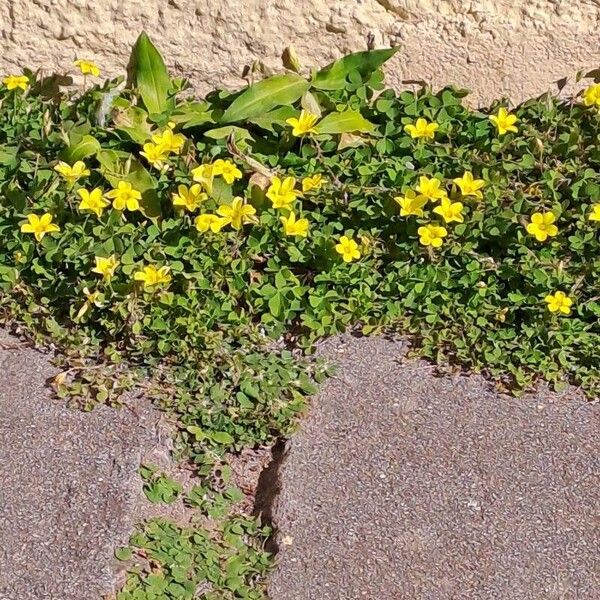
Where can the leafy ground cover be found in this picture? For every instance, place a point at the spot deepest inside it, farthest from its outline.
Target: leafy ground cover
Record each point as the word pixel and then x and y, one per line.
pixel 199 248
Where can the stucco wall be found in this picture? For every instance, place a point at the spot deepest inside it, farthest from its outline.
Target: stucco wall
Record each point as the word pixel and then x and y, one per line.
pixel 495 47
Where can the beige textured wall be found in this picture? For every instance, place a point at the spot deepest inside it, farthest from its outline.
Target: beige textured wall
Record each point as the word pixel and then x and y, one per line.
pixel 495 47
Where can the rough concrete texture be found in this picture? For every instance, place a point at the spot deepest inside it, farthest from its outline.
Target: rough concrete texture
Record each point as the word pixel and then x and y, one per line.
pixel 69 488
pixel 495 47
pixel 402 485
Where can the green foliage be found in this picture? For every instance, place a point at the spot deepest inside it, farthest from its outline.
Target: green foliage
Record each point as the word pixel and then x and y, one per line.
pixel 359 64
pixel 265 95
pixel 148 74
pixel 224 342
pixel 158 487
pixel 186 563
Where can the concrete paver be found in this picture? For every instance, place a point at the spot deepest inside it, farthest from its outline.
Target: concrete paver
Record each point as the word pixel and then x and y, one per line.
pixel 404 485
pixel 68 485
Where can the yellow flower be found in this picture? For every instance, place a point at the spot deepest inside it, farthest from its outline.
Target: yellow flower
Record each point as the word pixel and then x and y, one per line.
pixel 106 266
pixel 125 196
pixel 304 124
pixel 155 154
pixel 281 192
pixel 504 121
pixel 190 198
pixel 595 214
pixel 91 299
pixel 72 173
pixel 432 235
pixel 348 248
pixel 39 226
pixel 411 204
pixel 291 226
pixel 469 186
pixel 205 174
pixel 213 222
pixel 227 170
pixel 591 96
pixel 237 213
pixel 421 129
pixel 450 211
pixel 542 226
pixel 312 183
pixel 430 188
pixel 12 82
pixel 87 67
pixel 559 302
pixel 168 141
pixel 92 201
pixel 151 276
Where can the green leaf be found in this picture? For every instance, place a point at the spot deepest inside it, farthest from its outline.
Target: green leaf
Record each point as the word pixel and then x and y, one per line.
pixel 133 122
pixel 279 90
pixel 221 437
pixel 349 121
pixel 8 154
pixel 123 553
pixel 277 116
pixel 240 135
pixel 192 114
pixel 334 76
pixel 80 148
pixel 147 72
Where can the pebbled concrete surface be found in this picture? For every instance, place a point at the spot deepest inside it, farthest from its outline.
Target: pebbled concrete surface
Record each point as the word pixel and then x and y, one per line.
pixel 494 47
pixel 69 489
pixel 402 485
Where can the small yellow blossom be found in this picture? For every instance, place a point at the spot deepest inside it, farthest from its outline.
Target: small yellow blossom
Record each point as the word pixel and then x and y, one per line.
pixel 542 226
pixel 450 211
pixel 348 249
pixel 39 226
pixel 595 214
pixel 227 170
pixel 315 182
pixel 190 198
pixel 469 186
pixel 155 154
pixel 430 188
pixel 106 266
pixel 559 302
pixel 238 213
pixel 591 95
pixel 291 226
pixel 281 192
pixel 205 174
pixel 87 67
pixel 421 129
pixel 504 121
pixel 125 196
pixel 152 276
pixel 92 201
pixel 91 299
pixel 72 173
pixel 411 204
pixel 207 221
pixel 304 124
pixel 13 82
pixel 168 141
pixel 432 235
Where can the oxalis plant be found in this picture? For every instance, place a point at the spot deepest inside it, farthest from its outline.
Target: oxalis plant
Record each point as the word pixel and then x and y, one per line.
pixel 196 249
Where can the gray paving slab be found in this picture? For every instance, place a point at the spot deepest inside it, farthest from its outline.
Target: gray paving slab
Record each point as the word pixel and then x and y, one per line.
pixel 404 485
pixel 68 484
